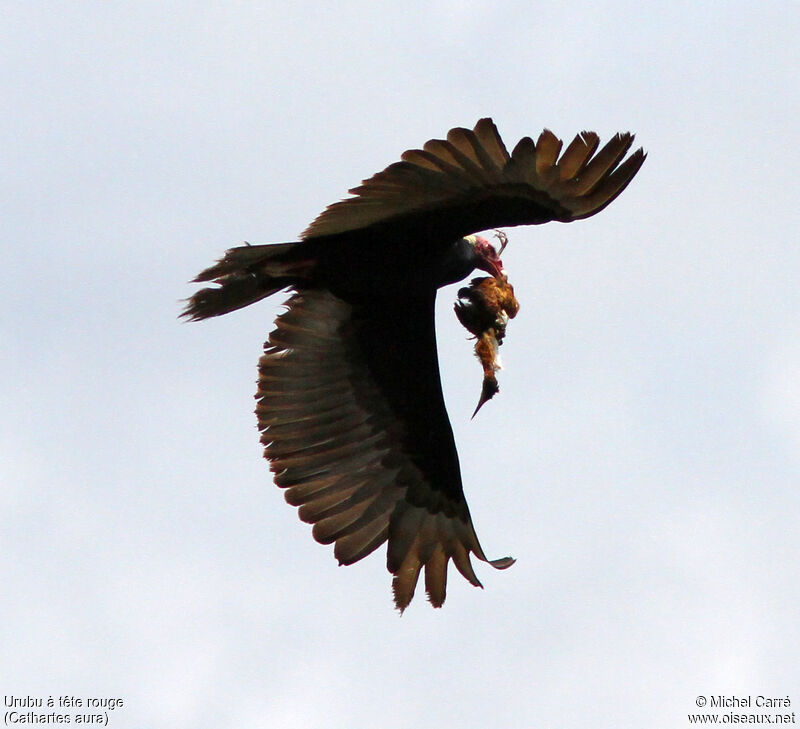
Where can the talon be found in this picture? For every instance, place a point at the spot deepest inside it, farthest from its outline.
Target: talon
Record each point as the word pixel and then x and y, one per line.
pixel 503 238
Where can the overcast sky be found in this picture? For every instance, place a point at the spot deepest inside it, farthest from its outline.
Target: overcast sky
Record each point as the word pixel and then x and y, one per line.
pixel 641 461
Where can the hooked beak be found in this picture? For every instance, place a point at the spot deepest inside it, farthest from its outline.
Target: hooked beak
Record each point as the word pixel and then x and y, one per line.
pixel 489 258
pixel 494 266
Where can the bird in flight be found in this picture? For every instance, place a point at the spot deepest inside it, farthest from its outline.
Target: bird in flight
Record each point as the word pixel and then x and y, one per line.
pixel 349 402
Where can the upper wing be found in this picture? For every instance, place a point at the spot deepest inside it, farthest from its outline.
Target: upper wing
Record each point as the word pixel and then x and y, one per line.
pixel 469 182
pixel 353 419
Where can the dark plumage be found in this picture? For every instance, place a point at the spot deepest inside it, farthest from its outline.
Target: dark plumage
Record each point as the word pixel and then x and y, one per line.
pixel 350 405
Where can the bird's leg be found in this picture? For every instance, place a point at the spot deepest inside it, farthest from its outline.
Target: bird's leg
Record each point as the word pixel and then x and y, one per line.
pixel 503 238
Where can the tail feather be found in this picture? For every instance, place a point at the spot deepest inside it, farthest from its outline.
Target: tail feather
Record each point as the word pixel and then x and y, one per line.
pixel 247 274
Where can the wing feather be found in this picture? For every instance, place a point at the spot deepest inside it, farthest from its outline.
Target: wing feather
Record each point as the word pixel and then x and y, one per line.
pixel 468 143
pixel 490 140
pixel 361 461
pixel 576 155
pixel 611 186
pixel 468 182
pixel 436 575
pixel 352 547
pixel 548 147
pixel 603 163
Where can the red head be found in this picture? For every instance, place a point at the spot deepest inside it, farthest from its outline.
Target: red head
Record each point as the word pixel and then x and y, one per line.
pixel 487 258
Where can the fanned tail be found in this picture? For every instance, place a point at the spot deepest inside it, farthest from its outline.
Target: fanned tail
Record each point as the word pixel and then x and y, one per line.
pixel 247 274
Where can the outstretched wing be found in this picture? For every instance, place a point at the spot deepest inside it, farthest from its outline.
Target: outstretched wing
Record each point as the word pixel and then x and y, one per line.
pixel 354 425
pixel 469 182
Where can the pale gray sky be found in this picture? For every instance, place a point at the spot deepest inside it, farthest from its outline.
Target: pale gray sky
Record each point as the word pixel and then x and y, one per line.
pixel 642 460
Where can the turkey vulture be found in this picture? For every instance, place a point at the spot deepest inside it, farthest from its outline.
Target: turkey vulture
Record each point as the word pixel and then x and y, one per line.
pixel 349 401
